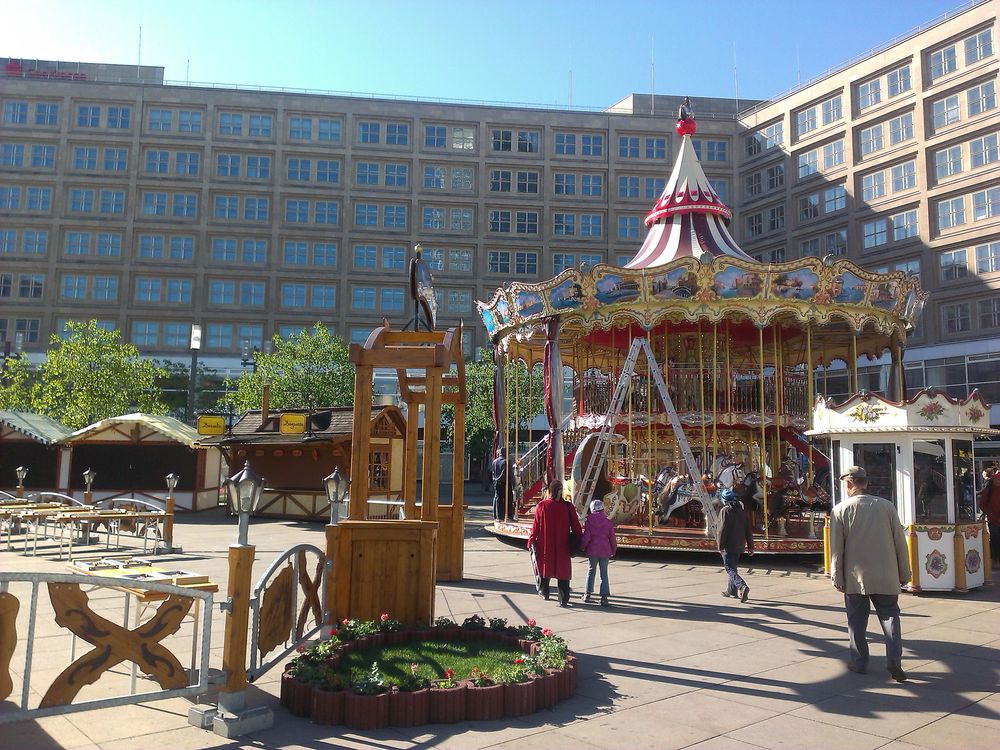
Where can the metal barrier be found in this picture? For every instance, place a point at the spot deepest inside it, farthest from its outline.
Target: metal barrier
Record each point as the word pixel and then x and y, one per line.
pixel 277 606
pixel 113 644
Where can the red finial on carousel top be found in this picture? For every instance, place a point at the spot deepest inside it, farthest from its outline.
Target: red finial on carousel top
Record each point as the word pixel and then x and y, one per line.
pixel 685 119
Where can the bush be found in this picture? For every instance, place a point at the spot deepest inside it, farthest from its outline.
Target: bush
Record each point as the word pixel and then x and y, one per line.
pixel 498 624
pixel 372 683
pixel 513 672
pixel 474 622
pixel 388 625
pixel 551 651
pixel 411 681
pixel 479 678
pixel 444 622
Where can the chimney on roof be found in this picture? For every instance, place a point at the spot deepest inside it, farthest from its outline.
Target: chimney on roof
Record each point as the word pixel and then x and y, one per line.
pixel 265 403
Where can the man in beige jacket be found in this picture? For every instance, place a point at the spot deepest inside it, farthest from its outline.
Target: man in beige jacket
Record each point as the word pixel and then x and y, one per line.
pixel 869 563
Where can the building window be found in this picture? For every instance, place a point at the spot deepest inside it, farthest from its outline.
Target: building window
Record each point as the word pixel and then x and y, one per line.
pixel 951 213
pixel 293 295
pixel 327 171
pixel 365 256
pixel 253 252
pixel 592 185
pixel 323 297
pixel 945 111
pixel 874 233
pixel 988 257
pixel 981 98
pixel 44 157
pixel 947 161
pixel 327 212
pixel 904 225
pixel 562 261
pixel 525 263
pixel 366 214
pixel 188 122
pixel 462 178
pixel 501 140
pixel 978 46
pixel 775 218
pixel 40 199
pixel 808 164
pixel 111 202
pixel 498 261
pixel 151 246
pixel 460 219
pixel 499 221
pixel 869 93
pixel 526 222
pixel 363 298
pixel 35 241
pixel 252 293
pixel 628 147
pixel 394 217
pixel 187 162
pixel 833 154
pixel 119 117
pixel 393 258
pixel 181 248
pixel 324 254
pixel 73 287
pixel 873 186
pixel 147 290
pixel 260 126
pixel 300 169
pixel 157 162
pixel 983 150
pixel 527 142
pixel 721 188
pixel 15 113
pixel 808 207
pixel 806 121
pixel 391 299
pixel 463 139
pixel 898 81
pixel 564 224
pixel 396 175
pixel 755 225
pixel 294 253
pixel 397 134
pixel 986 204
pixel 255 209
pixel 592 145
pixel 300 128
pixel 230 123
pixel 565 183
pixel 653 187
pixel 900 128
pixel 500 180
pixel 366 173
pixel 956 318
pixel 775 177
pixel 628 186
pixel 329 130
pixel 628 227
pixel 591 225
pixel 656 148
pixel 87 116
pixel 904 176
pixel 565 143
pixel 161 119
pixel 989 313
pixel 105 289
pixel 527 182
pixel 943 61
pixel 145 333
pixel 460 261
pixel 435 136
pixel 185 205
pixel 953 265
pixel 871 139
pixel 753 185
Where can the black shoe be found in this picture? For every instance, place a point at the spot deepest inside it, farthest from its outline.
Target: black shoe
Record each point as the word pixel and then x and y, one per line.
pixel 604 601
pixel 896 672
pixel 586 598
pixel 856 669
pixel 745 594
pixel 565 603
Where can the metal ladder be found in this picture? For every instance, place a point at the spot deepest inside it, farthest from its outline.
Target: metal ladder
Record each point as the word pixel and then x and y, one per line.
pixel 597 458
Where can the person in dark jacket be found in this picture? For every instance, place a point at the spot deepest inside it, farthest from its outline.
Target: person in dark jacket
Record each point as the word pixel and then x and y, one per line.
pixel 733 534
pixel 554 518
pixel 599 545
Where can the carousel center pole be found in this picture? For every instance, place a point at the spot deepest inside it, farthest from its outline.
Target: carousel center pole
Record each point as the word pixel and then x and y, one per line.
pixel 763 434
pixel 809 401
pixel 701 404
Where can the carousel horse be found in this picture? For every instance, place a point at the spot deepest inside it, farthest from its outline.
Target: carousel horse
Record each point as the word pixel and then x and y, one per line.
pixel 676 492
pixel 621 503
pixel 730 475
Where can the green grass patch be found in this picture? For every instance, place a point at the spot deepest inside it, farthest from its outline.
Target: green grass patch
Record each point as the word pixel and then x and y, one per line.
pixel 431 657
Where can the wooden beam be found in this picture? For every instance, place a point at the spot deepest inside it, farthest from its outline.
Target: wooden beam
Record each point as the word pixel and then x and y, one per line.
pixel 361 443
pixel 432 446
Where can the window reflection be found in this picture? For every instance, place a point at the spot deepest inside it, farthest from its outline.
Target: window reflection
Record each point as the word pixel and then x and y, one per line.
pixel 963 480
pixel 930 481
pixel 879 460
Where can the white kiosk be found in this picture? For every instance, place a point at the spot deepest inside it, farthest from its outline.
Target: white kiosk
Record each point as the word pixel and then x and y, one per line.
pixel 919 455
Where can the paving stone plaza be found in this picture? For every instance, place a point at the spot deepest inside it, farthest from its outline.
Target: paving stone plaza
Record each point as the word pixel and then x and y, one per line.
pixel 672 664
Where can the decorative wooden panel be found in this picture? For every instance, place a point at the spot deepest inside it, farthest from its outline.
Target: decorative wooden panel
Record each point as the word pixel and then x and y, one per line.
pixel 310 594
pixel 8 640
pixel 276 612
pixel 114 644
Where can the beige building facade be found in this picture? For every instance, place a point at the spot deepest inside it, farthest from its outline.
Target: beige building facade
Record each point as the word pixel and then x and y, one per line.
pixel 156 207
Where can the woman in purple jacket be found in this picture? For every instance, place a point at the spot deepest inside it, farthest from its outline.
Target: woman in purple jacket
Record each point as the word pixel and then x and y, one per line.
pixel 598 544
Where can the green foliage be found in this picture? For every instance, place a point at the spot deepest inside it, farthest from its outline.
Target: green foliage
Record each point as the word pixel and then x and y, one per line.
pixel 551 651
pixel 311 366
pixel 371 683
pixel 479 411
pixel 515 671
pixel 474 622
pixel 387 624
pixel 89 375
pixel 15 385
pixel 479 678
pixel 412 680
pixel 498 624
pixel 444 622
pixel 431 658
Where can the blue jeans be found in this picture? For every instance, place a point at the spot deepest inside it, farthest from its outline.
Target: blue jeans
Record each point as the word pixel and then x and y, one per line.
pixel 729 562
pixel 887 610
pixel 595 563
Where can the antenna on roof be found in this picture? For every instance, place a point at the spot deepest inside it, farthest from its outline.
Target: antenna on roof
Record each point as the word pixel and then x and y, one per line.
pixel 736 80
pixel 138 61
pixel 798 67
pixel 571 88
pixel 652 74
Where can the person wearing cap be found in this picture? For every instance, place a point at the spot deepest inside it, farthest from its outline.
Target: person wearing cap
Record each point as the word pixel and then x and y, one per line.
pixel 868 563
pixel 734 533
pixel 599 545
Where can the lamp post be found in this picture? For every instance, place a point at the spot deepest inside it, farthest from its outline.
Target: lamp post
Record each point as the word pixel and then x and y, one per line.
pixel 193 382
pixel 249 352
pixel 233 718
pixel 22 472
pixel 336 492
pixel 88 480
pixel 18 348
pixel 168 508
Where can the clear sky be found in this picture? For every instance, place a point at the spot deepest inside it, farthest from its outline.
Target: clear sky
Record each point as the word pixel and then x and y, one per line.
pixel 516 51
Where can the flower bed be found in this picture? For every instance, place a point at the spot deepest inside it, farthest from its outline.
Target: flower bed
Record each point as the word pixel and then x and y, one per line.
pixel 498 671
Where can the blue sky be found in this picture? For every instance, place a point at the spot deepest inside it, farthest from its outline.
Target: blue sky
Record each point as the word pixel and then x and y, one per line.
pixel 515 52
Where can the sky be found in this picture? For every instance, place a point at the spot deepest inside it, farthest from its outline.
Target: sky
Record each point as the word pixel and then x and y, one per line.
pixel 515 52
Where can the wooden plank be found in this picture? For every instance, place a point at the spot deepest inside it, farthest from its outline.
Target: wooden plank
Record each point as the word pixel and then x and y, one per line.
pixel 234 651
pixel 8 640
pixel 361 443
pixel 276 612
pixel 410 461
pixel 432 447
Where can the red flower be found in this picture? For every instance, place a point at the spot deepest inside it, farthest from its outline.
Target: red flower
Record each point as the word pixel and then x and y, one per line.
pixel 344 621
pixel 519 661
pixel 384 616
pixel 449 673
pixel 300 648
pixel 531 622
pixel 333 632
pixel 547 632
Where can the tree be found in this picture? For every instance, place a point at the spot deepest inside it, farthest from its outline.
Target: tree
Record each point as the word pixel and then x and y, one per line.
pixel 91 374
pixel 310 368
pixel 15 384
pixel 479 426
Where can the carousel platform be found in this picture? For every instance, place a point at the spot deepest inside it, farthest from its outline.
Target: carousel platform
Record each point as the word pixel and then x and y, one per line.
pixel 668 538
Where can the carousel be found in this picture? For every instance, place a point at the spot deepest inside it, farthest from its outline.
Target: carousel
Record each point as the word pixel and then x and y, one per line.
pixel 732 353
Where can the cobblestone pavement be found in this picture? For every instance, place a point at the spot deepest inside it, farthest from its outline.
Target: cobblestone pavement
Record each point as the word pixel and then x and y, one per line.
pixel 672 664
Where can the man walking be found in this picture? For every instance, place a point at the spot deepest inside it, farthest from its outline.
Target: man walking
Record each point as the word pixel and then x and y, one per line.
pixel 734 532
pixel 868 563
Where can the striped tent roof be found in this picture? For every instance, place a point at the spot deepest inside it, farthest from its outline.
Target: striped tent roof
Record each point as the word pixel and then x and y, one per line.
pixel 172 428
pixel 39 428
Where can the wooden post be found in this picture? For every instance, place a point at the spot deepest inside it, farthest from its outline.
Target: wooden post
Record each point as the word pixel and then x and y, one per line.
pixel 410 460
pixel 19 491
pixel 432 437
pixel 168 521
pixel 457 539
pixel 358 507
pixel 826 546
pixel 234 647
pixel 329 608
pixel 763 433
pixel 911 546
pixel 959 549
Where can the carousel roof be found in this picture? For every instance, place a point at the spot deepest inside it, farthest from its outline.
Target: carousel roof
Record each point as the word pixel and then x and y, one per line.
pixel 689 219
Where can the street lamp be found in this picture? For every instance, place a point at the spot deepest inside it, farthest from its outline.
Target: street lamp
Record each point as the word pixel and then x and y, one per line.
pixel 18 348
pixel 336 492
pixel 22 472
pixel 168 509
pixel 248 354
pixel 243 491
pixel 88 480
pixel 193 382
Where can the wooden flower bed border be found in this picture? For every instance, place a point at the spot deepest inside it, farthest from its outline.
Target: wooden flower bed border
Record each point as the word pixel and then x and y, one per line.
pixel 433 705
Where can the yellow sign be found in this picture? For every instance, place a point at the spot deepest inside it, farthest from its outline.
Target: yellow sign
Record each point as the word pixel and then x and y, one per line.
pixel 292 424
pixel 211 425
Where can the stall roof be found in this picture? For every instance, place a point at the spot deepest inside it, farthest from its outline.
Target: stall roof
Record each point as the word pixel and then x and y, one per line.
pixel 326 423
pixel 172 428
pixel 39 428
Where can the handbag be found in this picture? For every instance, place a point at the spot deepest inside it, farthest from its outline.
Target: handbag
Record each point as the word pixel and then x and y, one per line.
pixel 574 541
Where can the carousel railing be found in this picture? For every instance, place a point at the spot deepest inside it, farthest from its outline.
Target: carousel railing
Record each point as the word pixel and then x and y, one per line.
pixel 695 389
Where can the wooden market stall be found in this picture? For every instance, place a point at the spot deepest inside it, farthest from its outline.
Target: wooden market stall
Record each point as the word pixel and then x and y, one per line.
pixel 132 454
pixel 294 449
pixel 32 441
pixel 919 454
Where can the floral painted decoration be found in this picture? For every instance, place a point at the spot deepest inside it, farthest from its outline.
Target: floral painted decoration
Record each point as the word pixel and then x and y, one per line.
pixel 931 411
pixel 934 533
pixel 972 561
pixel 936 564
pixel 867 413
pixel 975 413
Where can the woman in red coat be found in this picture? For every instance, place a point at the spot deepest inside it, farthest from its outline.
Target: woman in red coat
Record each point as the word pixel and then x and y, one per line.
pixel 554 518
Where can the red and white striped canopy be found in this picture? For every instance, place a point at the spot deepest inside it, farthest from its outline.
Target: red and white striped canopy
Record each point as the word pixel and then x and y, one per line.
pixel 689 218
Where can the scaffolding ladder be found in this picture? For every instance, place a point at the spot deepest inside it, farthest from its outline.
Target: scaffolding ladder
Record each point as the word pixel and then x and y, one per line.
pixel 592 472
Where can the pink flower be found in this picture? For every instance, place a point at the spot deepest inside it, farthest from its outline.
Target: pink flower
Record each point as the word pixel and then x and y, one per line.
pixel 413 669
pixel 547 632
pixel 344 621
pixel 384 616
pixel 531 622
pixel 300 648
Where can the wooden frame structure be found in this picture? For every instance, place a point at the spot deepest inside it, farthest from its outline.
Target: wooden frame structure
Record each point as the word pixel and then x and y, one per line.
pixel 427 545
